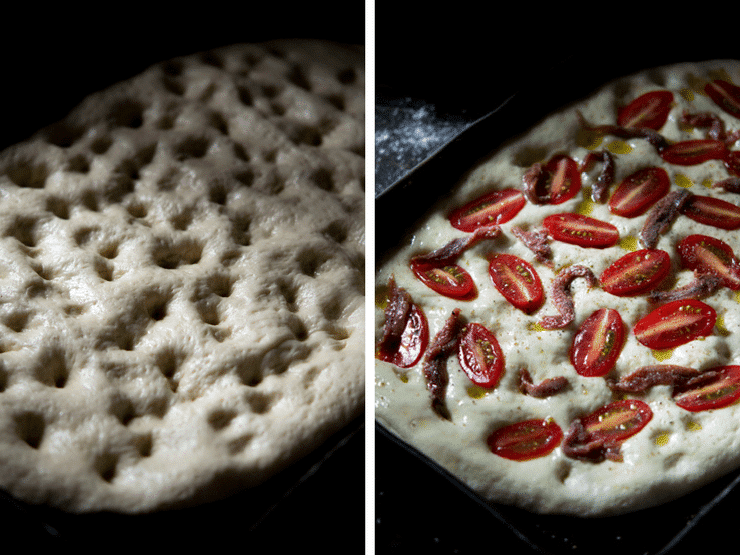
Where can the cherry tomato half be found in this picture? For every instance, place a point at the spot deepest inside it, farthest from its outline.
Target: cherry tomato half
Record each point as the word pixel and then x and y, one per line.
pixel 636 272
pixel 580 230
pixel 712 211
pixel 720 392
pixel 449 280
pixel 639 191
pixel 675 323
pixel 598 342
pixel 517 281
pixel 649 110
pixel 480 356
pixel 526 440
pixel 706 254
pixel 414 341
pixel 497 207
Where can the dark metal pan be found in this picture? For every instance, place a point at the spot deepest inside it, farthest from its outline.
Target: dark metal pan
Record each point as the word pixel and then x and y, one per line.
pixel 418 502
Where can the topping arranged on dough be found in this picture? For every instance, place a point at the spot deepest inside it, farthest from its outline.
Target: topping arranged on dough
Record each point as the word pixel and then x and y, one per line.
pixel 480 356
pixel 561 296
pixel 405 333
pixel 555 182
pixel 435 362
pixel 497 207
pixel 675 323
pixel 648 331
pixel 636 272
pixel 599 435
pixel 517 281
pixel 527 440
pixel 597 343
pixel 639 191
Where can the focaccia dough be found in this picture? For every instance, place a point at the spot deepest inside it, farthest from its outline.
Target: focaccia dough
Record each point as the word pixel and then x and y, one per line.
pixel 181 279
pixel 677 451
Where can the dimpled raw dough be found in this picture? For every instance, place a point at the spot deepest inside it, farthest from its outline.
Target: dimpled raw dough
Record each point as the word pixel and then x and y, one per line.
pixel 677 451
pixel 181 280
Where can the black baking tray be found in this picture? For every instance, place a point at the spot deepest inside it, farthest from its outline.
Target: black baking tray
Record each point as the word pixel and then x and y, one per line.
pixel 417 502
pixel 52 57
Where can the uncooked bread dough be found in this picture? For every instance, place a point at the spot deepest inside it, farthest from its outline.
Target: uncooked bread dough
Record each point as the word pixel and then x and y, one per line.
pixel 181 280
pixel 677 450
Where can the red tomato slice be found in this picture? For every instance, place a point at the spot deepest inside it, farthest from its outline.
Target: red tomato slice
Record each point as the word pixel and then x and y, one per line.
pixel 581 230
pixel 647 111
pixel 517 281
pixel 526 440
pixel 720 392
pixel 732 162
pixel 712 211
pixel 598 342
pixel 480 356
pixel 725 95
pixel 413 343
pixel 617 421
pixel 451 280
pixel 639 191
pixel 566 179
pixel 497 207
pixel 675 323
pixel 706 254
pixel 636 272
pixel 690 153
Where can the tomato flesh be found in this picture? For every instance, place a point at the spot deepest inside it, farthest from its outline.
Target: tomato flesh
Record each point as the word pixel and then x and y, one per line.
pixel 675 323
pixel 617 421
pixel 414 341
pixel 581 230
pixel 636 273
pixel 719 392
pixel 706 254
pixel 480 356
pixel 598 342
pixel 450 280
pixel 639 191
pixel 690 153
pixel 559 181
pixel 649 110
pixel 517 281
pixel 725 95
pixel 526 440
pixel 493 208
pixel 565 179
pixel 712 211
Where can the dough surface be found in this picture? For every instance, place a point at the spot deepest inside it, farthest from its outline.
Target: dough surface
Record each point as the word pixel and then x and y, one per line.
pixel 181 280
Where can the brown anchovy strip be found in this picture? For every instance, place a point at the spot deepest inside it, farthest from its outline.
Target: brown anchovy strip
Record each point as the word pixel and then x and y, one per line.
pixel 396 315
pixel 561 296
pixel 537 241
pixel 452 250
pixel 731 184
pixel 702 286
pixel 652 136
pixel 576 445
pixel 606 177
pixel 713 122
pixel 545 388
pixel 646 377
pixel 661 217
pixel 532 179
pixel 435 362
